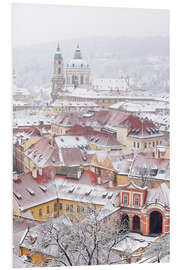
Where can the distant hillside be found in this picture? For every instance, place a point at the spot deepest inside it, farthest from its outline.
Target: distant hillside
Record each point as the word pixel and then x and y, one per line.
pixel 146 60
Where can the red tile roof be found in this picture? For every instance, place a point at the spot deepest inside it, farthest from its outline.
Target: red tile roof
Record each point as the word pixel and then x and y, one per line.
pixel 74 156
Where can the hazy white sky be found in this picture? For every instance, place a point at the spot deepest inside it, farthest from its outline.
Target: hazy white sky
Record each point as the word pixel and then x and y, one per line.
pixel 35 23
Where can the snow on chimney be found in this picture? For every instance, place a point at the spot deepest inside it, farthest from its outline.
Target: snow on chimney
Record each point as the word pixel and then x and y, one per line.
pixel 34 173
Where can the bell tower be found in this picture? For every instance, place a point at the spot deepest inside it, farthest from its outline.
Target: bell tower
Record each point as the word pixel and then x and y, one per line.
pixel 58 79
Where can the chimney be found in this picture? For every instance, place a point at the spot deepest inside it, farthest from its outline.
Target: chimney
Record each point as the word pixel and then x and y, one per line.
pixel 34 173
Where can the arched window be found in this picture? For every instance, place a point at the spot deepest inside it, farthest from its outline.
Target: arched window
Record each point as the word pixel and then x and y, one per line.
pixel 82 79
pixel 72 79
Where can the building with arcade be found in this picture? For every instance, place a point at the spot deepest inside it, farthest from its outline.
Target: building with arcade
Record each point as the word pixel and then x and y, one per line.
pixel 146 211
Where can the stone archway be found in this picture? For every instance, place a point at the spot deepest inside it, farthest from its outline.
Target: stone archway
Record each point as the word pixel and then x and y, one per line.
pixel 125 221
pixel 155 222
pixel 136 224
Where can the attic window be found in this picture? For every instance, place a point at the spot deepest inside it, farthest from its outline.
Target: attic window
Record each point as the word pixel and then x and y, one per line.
pixel 153 172
pixel 88 192
pixel 104 195
pixel 31 192
pixel 84 158
pixel 18 196
pixel 161 171
pixel 71 190
pixel 110 195
pixel 77 138
pixel 43 188
pixel 62 140
pixel 97 139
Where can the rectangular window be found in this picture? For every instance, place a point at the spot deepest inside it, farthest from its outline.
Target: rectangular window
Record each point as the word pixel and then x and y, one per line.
pixel 40 212
pixel 78 208
pixel 134 144
pixel 67 207
pixel 136 200
pixel 60 206
pixel 153 144
pixel 71 208
pixel 47 209
pixel 125 199
pixel 55 207
pixel 137 145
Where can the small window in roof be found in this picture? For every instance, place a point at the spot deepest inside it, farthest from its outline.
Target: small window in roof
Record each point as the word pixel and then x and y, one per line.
pixel 153 172
pixel 31 192
pixel 18 196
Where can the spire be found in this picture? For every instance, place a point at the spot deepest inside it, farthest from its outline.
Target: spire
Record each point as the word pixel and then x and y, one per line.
pixel 58 47
pixel 58 53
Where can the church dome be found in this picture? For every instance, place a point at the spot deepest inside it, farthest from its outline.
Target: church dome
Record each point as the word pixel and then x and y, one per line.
pixel 77 63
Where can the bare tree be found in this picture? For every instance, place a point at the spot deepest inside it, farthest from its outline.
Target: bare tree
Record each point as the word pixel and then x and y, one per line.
pixel 86 242
pixel 159 248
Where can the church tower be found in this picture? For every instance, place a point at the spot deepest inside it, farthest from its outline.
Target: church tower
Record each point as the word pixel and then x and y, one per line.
pixel 58 79
pixel 78 71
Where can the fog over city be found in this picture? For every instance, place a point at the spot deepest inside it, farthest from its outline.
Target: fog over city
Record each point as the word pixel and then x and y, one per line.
pixel 112 40
pixel 47 23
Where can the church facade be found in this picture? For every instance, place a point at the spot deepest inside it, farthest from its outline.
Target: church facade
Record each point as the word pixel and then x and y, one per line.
pixel 78 71
pixel 76 74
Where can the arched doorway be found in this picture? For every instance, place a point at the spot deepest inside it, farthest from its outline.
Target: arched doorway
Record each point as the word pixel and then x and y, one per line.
pixel 125 221
pixel 155 222
pixel 136 224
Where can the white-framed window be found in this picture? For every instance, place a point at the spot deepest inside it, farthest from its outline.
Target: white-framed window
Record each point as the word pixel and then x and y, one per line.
pixel 136 200
pixel 125 198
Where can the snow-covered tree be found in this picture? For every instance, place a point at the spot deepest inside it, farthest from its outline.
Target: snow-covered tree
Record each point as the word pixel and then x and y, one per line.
pixel 86 242
pixel 159 248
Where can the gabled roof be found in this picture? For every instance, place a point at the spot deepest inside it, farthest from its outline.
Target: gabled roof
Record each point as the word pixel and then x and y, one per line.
pixel 43 154
pixel 132 185
pixel 74 156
